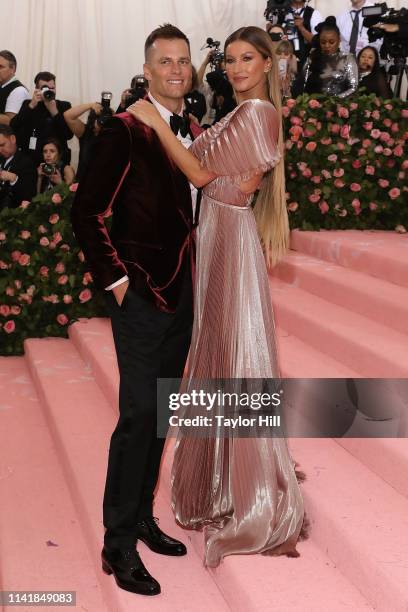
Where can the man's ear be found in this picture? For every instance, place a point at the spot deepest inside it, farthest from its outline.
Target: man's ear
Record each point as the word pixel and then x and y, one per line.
pixel 147 72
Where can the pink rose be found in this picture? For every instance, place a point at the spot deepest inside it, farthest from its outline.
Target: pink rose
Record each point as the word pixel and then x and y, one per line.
pixel 326 141
pixel 353 106
pixel 375 133
pixel 2 236
pixel 373 206
pixel 383 183
pixel 73 187
pixel 302 166
pixel 370 170
pixel 299 144
pixel 44 241
pixel 10 291
pixel 51 298
pixel 314 198
pixel 64 247
pixel 355 187
pixel 4 310
pixel 398 151
pixel 311 146
pixel 356 204
pixel 387 152
pixel 15 310
pixel 314 104
pixel 375 115
pixel 324 207
pixel 17 284
pixel 56 198
pixel 62 319
pixel 9 327
pixel 385 137
pixel 24 297
pixel 388 106
pixel 87 278
pixel 44 271
pixel 42 229
pixel 339 183
pixel 334 128
pixel 285 111
pixel 24 204
pixel 15 255
pixel 404 165
pixel 378 149
pixel 329 114
pixel 63 279
pixel 288 145
pixel 25 234
pixel 60 268
pixel 395 128
pixel 54 219
pixel 85 296
pixel 307 173
pixel 332 157
pixel 401 176
pixel 296 120
pixel 67 299
pixel 56 237
pixel 366 143
pixel 81 256
pixel 293 206
pixel 345 131
pixel 338 172
pixel 394 193
pixel 296 132
pixel 368 125
pixel 387 122
pixel 316 179
pixel 341 146
pixel 326 174
pixel 291 102
pixel 404 113
pixel 24 260
pixel 342 111
pixel 356 163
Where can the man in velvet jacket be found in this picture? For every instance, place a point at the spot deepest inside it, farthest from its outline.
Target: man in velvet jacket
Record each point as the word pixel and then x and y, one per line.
pixel 144 266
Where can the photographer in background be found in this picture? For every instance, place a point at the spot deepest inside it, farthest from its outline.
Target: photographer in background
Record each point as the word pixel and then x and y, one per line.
pixel 17 172
pixel 287 66
pixel 88 133
pixel 12 92
pixel 53 170
pixel 353 34
pixel 194 100
pixel 138 90
pixel 41 118
pixel 218 92
pixel 299 23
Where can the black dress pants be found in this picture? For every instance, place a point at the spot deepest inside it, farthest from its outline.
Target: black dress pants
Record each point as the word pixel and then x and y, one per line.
pixel 150 344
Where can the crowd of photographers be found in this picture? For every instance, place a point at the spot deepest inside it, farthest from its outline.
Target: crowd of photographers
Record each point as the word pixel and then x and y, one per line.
pixel 335 57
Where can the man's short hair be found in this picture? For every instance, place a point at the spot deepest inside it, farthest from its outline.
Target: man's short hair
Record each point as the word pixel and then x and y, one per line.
pixel 6 131
pixel 10 57
pixel 44 76
pixel 166 31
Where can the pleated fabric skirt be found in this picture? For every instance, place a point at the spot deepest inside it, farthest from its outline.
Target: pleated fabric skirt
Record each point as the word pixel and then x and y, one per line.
pixel 242 491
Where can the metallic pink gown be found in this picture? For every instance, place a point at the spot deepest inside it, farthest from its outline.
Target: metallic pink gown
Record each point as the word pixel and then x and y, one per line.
pixel 243 491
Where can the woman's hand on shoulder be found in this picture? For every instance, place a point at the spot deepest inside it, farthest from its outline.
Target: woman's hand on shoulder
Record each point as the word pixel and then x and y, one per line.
pixel 145 112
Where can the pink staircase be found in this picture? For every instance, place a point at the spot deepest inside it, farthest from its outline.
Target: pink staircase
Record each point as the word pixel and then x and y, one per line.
pixel 338 315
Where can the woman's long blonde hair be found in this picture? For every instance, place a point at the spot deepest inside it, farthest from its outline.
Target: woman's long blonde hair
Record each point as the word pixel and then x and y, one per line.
pixel 270 207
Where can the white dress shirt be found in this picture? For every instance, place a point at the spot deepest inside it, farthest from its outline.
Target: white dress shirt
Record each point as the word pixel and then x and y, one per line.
pixel 16 97
pixel 345 24
pixel 186 141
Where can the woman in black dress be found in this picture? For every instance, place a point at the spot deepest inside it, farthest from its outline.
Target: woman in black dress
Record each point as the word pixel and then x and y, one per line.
pixel 371 75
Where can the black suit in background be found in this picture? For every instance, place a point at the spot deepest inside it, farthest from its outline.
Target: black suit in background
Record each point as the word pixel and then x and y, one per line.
pixel 45 125
pixel 11 196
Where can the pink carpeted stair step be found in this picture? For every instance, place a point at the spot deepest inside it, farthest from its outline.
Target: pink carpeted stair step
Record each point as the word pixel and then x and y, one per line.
pixel 259 583
pixel 359 520
pixel 42 544
pixel 376 253
pixel 81 421
pixel 371 297
pixel 363 345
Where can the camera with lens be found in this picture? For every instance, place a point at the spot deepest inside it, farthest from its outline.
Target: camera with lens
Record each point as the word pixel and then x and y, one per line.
pixel 276 10
pixel 393 45
pixel 49 169
pixel 138 89
pixel 106 113
pixel 48 94
pixel 217 56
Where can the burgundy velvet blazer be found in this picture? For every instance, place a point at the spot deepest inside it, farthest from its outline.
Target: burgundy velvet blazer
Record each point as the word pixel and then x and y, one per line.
pixel 151 237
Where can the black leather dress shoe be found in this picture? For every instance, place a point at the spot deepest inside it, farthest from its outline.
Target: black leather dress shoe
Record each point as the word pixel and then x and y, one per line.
pixel 129 572
pixel 148 531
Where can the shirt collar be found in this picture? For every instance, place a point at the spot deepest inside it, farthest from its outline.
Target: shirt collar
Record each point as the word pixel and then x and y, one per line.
pixel 14 78
pixel 164 112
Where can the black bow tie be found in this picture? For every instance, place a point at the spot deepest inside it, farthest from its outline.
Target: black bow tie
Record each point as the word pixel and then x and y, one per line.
pixel 180 124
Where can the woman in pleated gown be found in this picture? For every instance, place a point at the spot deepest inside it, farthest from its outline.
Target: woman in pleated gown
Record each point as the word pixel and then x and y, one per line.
pixel 243 491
